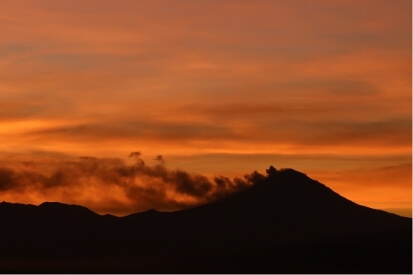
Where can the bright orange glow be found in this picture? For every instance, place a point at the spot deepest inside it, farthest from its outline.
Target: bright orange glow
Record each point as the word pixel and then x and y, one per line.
pixel 215 87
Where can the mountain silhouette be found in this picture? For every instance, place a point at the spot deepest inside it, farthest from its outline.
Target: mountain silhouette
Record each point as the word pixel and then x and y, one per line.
pixel 284 223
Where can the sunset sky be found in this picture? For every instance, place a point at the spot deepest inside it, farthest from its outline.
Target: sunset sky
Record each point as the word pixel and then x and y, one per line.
pixel 215 87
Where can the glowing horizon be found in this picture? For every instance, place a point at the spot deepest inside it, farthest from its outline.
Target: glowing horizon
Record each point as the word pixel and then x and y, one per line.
pixel 215 87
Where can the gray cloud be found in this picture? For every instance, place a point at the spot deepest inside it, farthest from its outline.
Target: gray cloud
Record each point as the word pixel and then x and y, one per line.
pixel 154 130
pixel 392 132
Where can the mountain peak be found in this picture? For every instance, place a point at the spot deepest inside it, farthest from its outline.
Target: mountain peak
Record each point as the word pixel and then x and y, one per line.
pixel 290 173
pixel 291 182
pixel 58 208
pixel 285 223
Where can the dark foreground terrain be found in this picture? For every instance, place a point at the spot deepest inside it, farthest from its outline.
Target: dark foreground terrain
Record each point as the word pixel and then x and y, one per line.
pixel 286 223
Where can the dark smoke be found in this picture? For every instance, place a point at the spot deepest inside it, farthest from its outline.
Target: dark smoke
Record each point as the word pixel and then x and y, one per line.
pixel 146 186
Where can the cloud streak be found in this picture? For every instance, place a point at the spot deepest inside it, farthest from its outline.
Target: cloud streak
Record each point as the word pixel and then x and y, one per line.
pixel 260 131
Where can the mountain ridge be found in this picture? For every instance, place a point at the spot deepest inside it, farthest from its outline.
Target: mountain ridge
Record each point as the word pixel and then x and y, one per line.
pixel 284 223
pixel 271 173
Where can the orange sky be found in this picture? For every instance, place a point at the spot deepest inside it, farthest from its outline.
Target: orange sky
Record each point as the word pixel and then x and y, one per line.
pixel 215 87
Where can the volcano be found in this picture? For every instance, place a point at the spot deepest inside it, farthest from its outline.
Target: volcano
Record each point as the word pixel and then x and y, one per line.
pixel 284 223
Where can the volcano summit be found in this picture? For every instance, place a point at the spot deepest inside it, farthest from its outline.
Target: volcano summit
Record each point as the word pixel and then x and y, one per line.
pixel 284 223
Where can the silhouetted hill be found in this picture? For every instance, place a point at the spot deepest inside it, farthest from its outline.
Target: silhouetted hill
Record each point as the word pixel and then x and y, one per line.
pixel 296 200
pixel 285 223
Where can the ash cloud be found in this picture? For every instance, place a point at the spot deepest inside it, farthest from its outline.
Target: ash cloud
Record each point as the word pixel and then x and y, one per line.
pixel 160 159
pixel 7 179
pixel 142 186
